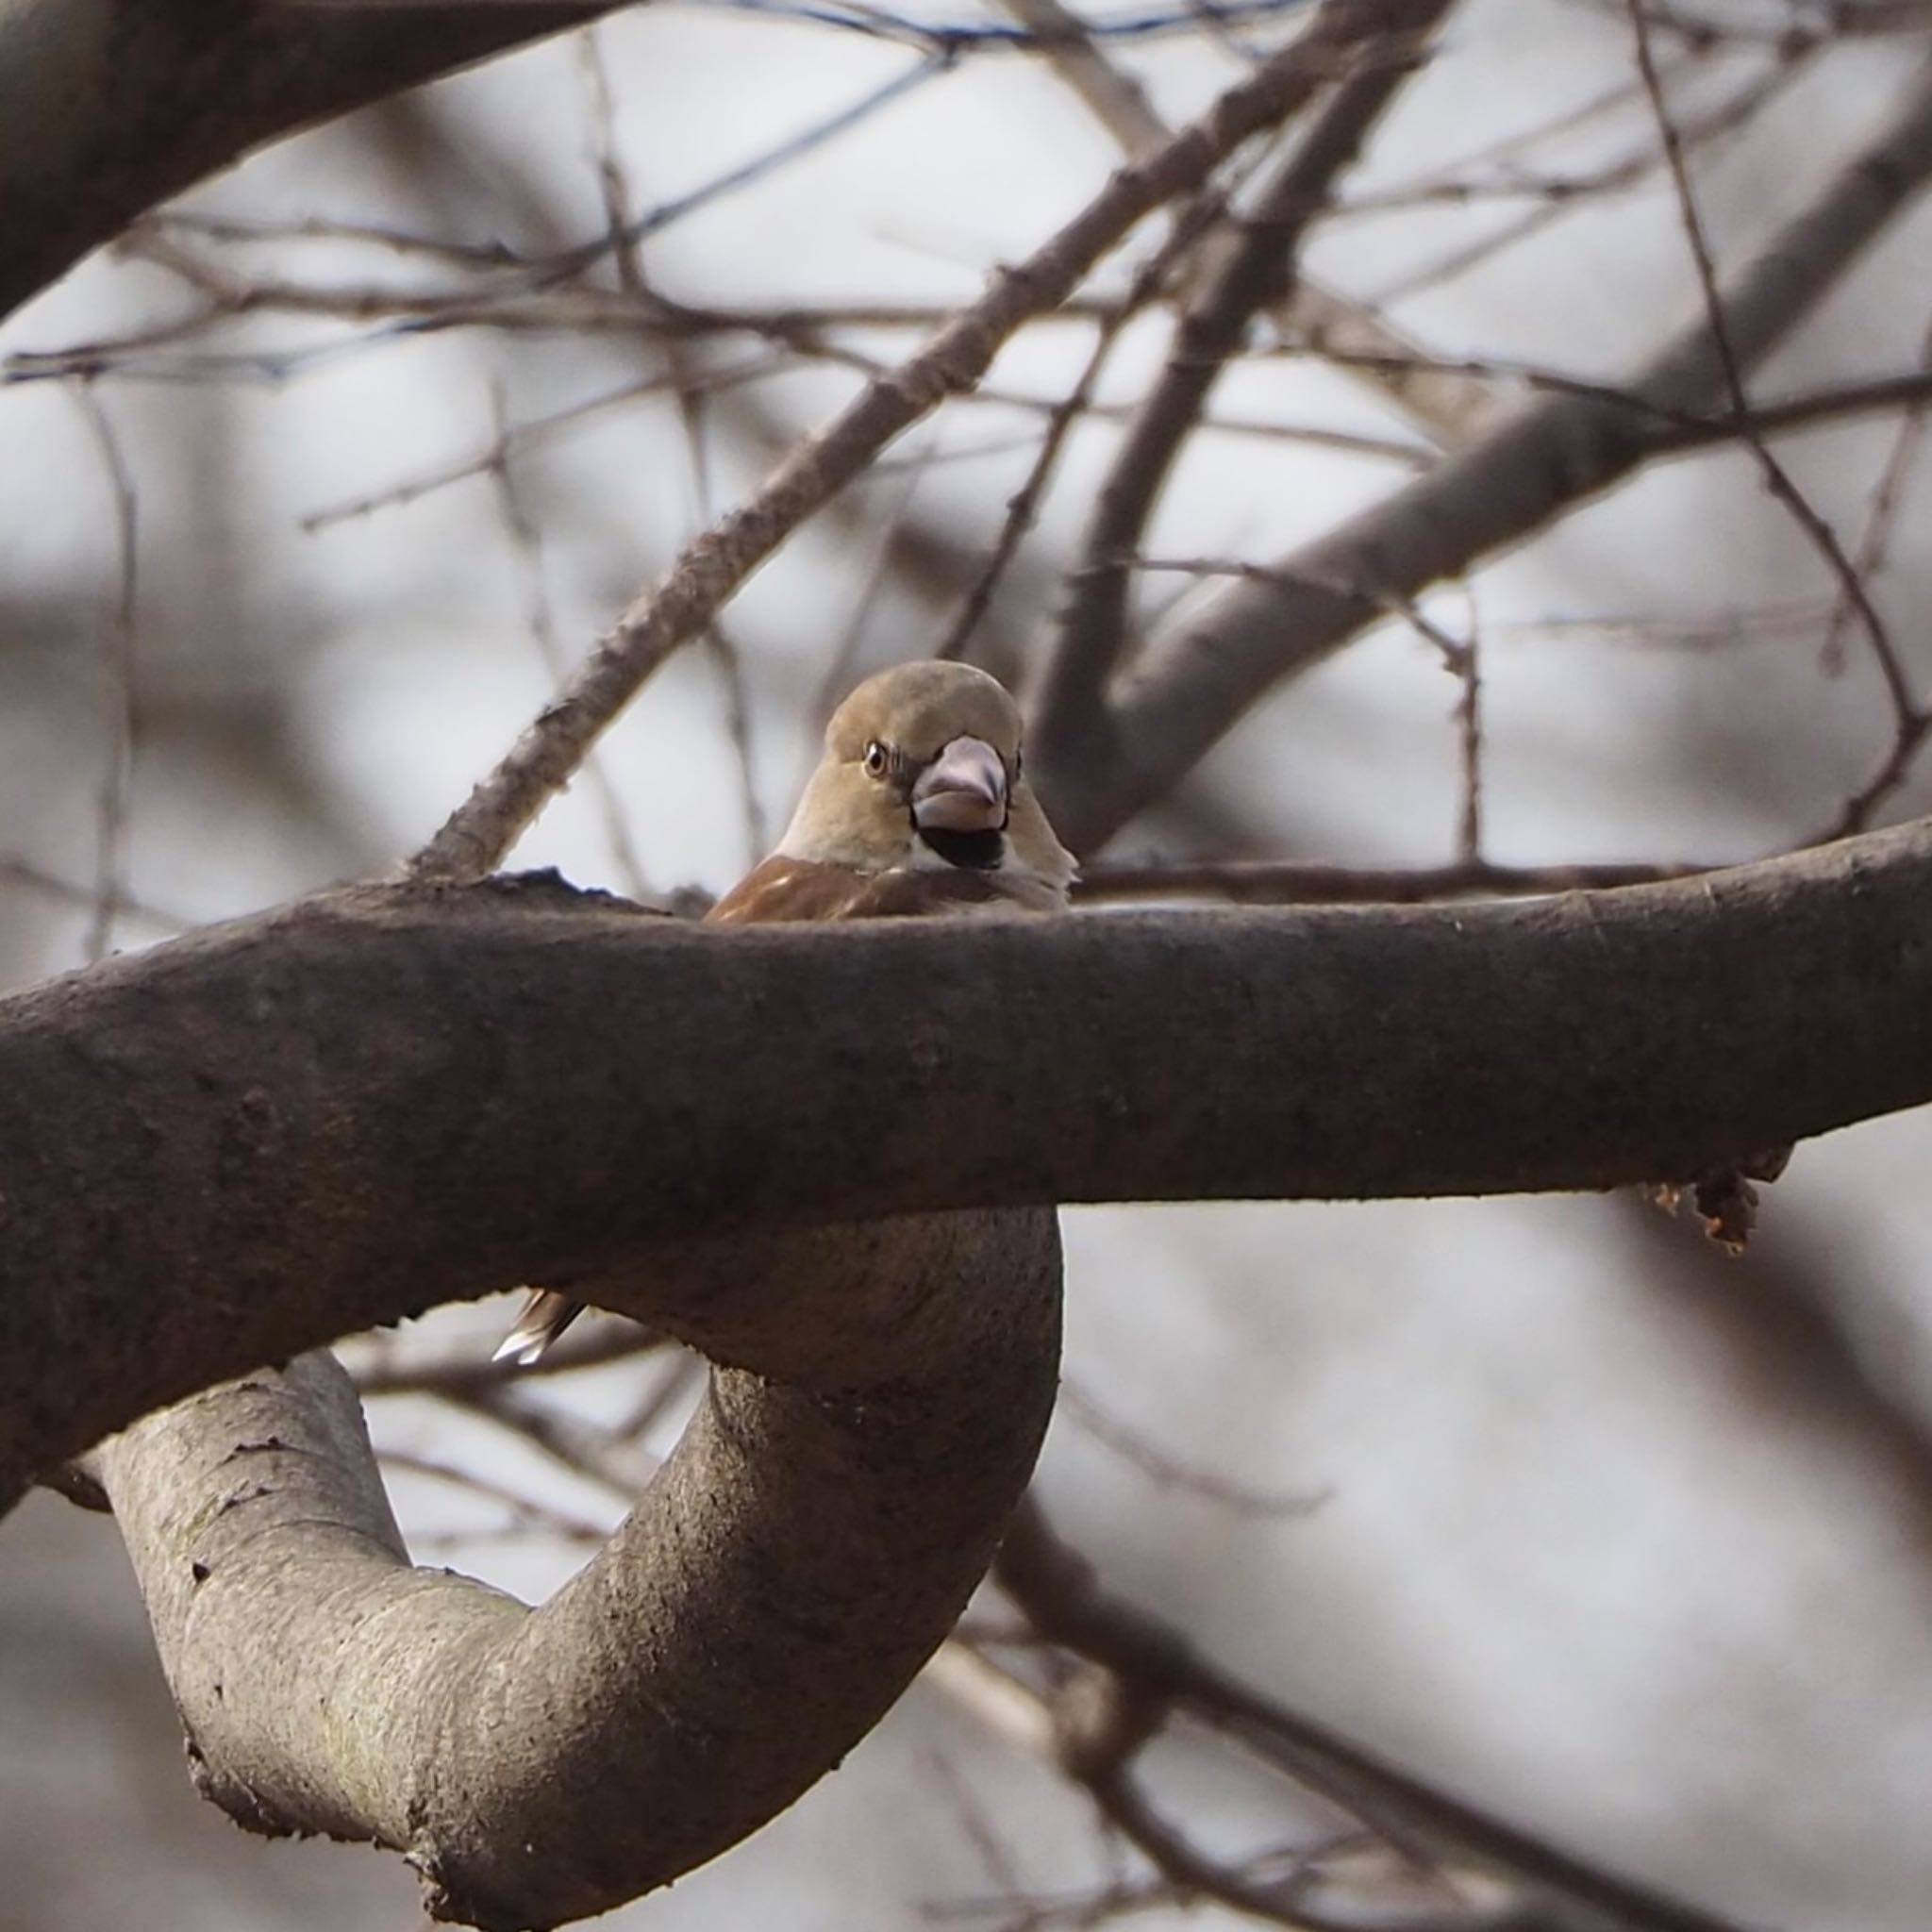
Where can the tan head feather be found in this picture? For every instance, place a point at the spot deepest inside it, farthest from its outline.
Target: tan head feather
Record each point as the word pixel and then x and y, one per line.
pixel 855 810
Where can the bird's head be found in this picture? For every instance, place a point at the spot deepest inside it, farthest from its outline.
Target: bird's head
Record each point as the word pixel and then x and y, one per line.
pixel 921 770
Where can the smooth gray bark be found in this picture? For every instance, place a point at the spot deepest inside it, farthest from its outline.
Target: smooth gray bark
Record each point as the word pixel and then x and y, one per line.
pixel 783 1577
pixel 234 1147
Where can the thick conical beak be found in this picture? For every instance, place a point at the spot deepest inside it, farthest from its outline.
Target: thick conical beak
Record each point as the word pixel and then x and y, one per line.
pixel 963 790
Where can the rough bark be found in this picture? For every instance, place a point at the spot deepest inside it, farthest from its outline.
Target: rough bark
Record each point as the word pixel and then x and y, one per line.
pixel 108 106
pixel 231 1148
pixel 784 1576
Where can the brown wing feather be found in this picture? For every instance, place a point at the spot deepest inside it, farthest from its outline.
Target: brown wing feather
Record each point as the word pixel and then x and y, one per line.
pixel 782 889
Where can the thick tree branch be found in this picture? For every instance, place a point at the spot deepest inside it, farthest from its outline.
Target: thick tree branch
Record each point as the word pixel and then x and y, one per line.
pixel 215 1153
pixel 1200 671
pixel 802 1551
pixel 108 106
pixel 228 1149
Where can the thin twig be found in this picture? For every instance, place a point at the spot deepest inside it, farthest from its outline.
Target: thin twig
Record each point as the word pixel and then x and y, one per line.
pixel 1911 722
pixel 1067 1606
pixel 621 239
pixel 631 230
pixel 1105 89
pixel 959 36
pixel 1023 508
pixel 124 739
pixel 1170 1472
pixel 583 1448
pixel 1453 650
pixel 847 642
pixel 23 872
pixel 1090 1728
pixel 527 541
pixel 1287 882
pixel 527 1513
pixel 625 237
pixel 515 439
pixel 249 232
pixel 1469 738
pixel 1283 1896
pixel 680 1371
pixel 1560 199
pixel 536 430
pixel 1447 409
pixel 1874 541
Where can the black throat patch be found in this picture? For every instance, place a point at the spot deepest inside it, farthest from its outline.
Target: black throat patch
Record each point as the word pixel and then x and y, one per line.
pixel 976 851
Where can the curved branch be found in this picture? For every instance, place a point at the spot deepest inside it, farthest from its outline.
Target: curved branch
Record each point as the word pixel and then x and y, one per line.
pixel 233 1147
pixel 801 1552
pixel 108 106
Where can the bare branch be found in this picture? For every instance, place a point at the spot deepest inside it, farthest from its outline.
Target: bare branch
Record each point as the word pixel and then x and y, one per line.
pixel 526 542
pixel 1911 722
pixel 581 1447
pixel 805 1547
pixel 1287 882
pixel 413 1124
pixel 1023 506
pixel 1201 671
pixel 1168 1471
pixel 1065 1603
pixel 1887 496
pixel 1556 197
pixel 19 872
pixel 124 733
pixel 525 1513
pixel 1447 406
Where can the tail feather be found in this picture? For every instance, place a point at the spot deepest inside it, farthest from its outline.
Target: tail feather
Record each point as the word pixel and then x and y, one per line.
pixel 544 1316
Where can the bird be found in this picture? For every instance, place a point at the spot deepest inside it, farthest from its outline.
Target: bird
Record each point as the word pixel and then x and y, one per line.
pixel 920 807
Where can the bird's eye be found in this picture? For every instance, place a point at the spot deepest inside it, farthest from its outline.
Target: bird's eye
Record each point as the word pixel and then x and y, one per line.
pixel 878 759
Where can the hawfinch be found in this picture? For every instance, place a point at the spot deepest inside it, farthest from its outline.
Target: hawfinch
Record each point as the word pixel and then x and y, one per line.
pixel 918 808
